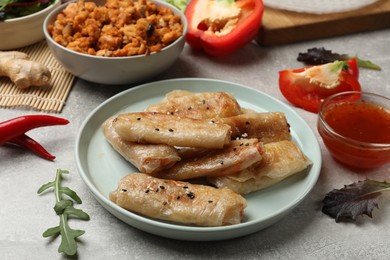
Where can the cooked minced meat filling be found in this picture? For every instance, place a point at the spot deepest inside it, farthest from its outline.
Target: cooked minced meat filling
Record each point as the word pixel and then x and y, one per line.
pixel 116 29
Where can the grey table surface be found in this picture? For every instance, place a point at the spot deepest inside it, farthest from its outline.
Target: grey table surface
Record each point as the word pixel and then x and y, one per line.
pixel 306 233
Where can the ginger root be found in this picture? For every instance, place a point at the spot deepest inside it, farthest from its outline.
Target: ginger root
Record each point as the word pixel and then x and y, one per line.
pixel 22 71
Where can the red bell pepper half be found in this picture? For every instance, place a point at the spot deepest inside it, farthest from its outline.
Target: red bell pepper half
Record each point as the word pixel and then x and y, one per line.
pixel 220 27
pixel 308 87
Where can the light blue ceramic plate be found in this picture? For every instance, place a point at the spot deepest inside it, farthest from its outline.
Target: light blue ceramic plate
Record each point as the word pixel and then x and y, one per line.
pixel 101 167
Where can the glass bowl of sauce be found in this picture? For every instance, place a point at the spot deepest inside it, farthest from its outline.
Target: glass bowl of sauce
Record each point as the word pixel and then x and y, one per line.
pixel 355 128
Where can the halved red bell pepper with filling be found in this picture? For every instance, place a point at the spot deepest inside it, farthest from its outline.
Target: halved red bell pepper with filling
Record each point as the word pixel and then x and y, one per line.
pixel 308 87
pixel 220 27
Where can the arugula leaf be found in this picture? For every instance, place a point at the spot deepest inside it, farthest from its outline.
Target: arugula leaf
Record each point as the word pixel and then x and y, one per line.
pixel 64 209
pixel 354 200
pixel 316 56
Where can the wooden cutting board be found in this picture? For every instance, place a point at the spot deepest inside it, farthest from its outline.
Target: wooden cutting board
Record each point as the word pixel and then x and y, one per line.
pixel 281 27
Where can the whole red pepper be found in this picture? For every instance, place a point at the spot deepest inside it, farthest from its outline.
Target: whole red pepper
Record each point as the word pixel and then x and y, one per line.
pixel 220 27
pixel 29 143
pixel 13 131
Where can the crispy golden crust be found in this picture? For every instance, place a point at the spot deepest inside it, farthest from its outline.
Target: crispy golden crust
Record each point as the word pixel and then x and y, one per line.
pixel 236 156
pixel 179 202
pixel 148 158
pixel 158 128
pixel 267 126
pixel 280 160
pixel 202 105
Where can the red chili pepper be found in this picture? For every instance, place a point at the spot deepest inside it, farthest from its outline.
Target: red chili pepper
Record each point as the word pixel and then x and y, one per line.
pixel 220 27
pixel 29 143
pixel 308 87
pixel 20 125
pixel 13 131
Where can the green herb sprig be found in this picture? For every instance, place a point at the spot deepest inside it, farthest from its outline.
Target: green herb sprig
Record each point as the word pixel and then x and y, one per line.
pixel 64 209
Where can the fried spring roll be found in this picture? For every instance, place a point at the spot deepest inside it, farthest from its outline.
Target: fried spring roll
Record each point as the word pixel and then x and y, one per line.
pixel 280 160
pixel 267 127
pixel 147 158
pixel 157 128
pixel 186 153
pixel 197 105
pixel 238 155
pixel 179 202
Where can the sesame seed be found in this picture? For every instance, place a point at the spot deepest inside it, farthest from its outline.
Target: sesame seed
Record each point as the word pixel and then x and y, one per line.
pixel 191 195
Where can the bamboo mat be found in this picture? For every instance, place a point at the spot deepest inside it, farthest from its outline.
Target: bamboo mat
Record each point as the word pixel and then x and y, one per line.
pixel 50 98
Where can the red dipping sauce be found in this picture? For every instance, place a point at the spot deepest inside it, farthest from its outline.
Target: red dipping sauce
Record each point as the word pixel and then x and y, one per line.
pixel 355 128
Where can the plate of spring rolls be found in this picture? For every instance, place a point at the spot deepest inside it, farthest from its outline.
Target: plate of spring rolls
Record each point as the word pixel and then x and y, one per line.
pixel 197 159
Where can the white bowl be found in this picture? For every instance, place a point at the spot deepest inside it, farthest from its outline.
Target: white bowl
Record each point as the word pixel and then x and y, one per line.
pixel 23 31
pixel 115 70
